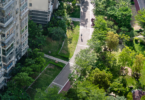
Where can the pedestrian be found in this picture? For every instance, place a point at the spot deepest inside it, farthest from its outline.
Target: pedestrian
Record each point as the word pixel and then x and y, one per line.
pixel 81 35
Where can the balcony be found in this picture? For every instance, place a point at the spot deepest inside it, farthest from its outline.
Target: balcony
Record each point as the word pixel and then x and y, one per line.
pixel 9 66
pixel 8 58
pixel 6 22
pixel 5 40
pixel 9 27
pixel 5 4
pixel 8 51
pixel 24 12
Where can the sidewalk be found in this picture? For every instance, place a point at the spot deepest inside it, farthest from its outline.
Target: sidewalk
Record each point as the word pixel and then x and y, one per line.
pixel 62 80
pixel 56 59
pixel 73 19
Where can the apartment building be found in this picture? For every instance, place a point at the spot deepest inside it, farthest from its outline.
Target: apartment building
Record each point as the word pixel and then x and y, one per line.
pixel 13 35
pixel 40 11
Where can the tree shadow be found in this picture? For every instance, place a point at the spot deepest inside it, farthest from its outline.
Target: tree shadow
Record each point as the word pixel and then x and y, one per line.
pixel 84 8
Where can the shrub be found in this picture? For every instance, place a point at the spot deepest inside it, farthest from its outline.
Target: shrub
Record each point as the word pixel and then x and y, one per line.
pixel 143 97
pixel 129 96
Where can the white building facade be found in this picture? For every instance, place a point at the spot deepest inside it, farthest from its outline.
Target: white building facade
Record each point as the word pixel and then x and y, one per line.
pixel 13 35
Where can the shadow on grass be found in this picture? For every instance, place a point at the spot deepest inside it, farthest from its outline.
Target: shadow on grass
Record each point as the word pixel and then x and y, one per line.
pixel 71 41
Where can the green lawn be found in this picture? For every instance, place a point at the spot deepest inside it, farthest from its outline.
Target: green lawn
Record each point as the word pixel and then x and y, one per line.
pixel 52 45
pixel 75 13
pixel 71 41
pixel 44 80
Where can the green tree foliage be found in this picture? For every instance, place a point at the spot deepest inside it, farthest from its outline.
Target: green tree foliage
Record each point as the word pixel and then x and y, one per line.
pixel 74 3
pixel 129 96
pixel 138 63
pixel 100 78
pixel 116 98
pixel 112 40
pixel 35 62
pixel 15 94
pixel 36 38
pixel 117 88
pixel 51 94
pixel 143 97
pixel 28 70
pixel 99 34
pixel 22 79
pixel 126 57
pixel 121 13
pixel 87 91
pixel 102 5
pixel 140 17
pixel 84 60
pixel 56 33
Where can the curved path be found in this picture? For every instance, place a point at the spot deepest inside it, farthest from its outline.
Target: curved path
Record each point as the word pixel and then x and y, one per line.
pixel 62 80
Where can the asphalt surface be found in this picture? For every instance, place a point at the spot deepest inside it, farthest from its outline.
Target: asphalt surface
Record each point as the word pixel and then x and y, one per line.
pixel 62 80
pixel 141 3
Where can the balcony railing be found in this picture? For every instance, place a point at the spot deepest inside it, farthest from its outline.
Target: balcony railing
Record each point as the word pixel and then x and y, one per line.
pixel 8 58
pixel 5 40
pixel 5 30
pixel 5 53
pixel 5 3
pixel 6 22
pixel 7 67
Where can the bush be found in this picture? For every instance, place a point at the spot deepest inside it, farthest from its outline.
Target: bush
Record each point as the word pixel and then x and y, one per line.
pixel 56 33
pixel 132 3
pixel 143 97
pixel 129 96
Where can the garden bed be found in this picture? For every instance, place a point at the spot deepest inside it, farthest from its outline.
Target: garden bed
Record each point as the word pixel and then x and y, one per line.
pixel 44 80
pixel 71 41
pixel 75 13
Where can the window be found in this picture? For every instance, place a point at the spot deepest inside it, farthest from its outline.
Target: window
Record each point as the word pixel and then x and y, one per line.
pixel 30 4
pixel 17 27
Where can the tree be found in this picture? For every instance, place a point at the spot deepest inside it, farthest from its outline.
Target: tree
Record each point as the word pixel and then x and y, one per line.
pixel 129 96
pixel 99 34
pixel 126 56
pixel 102 5
pixel 112 40
pixel 100 78
pixel 56 33
pixel 117 88
pixel 87 91
pixel 22 79
pixel 14 93
pixel 36 38
pixel 74 3
pixel 28 70
pixel 51 94
pixel 140 17
pixel 84 60
pixel 138 63
pixel 143 97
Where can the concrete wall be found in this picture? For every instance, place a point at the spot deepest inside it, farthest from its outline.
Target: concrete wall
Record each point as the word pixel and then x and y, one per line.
pixel 41 5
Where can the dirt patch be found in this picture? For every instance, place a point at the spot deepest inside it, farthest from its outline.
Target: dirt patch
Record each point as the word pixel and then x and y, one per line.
pixel 134 23
pixel 129 71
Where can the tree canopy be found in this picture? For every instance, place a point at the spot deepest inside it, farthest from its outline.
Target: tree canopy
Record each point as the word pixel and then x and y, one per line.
pixel 100 78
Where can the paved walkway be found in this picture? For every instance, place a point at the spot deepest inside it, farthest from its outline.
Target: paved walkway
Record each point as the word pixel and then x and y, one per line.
pixel 56 59
pixel 62 80
pixel 75 19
